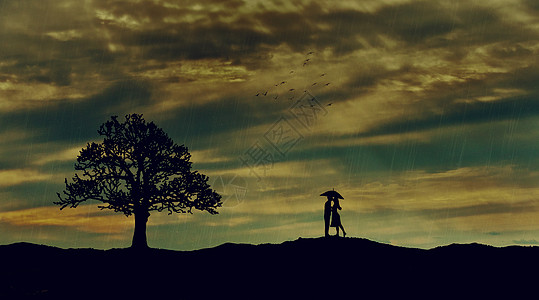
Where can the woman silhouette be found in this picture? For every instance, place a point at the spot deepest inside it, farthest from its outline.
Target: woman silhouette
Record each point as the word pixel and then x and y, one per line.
pixel 336 218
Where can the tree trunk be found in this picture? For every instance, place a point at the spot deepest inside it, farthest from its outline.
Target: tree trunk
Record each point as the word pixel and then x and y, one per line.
pixel 139 236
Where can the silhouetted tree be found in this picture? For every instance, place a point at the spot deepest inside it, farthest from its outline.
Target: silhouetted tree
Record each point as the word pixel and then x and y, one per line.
pixel 135 170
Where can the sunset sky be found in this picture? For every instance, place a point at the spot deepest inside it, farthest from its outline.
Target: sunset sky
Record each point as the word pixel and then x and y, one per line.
pixel 424 115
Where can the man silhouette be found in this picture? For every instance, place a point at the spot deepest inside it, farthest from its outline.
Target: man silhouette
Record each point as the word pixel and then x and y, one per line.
pixel 327 216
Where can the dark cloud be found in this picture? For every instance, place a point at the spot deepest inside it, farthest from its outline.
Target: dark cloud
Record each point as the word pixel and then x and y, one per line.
pixel 371 74
pixel 420 23
pixel 78 120
pixel 457 142
pixel 463 113
pixel 226 34
pixel 511 51
pixel 481 209
pixel 206 37
pixel 217 41
pixel 139 11
pixel 220 123
pixel 415 21
pixel 53 71
pixel 51 51
pixel 301 30
pixel 461 102
pixel 35 17
pixel 204 126
pixel 41 58
pixel 532 4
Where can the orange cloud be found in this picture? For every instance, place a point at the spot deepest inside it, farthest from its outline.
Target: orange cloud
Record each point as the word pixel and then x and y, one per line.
pixel 87 218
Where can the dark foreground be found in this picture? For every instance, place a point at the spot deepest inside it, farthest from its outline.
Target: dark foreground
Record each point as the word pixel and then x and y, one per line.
pixel 305 268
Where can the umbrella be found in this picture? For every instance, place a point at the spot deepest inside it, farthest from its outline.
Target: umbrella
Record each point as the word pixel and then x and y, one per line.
pixel 332 193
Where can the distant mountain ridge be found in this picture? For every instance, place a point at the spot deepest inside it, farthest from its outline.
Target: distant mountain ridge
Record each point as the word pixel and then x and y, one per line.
pixel 303 267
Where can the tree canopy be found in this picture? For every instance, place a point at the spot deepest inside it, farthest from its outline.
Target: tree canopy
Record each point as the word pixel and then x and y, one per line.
pixel 137 169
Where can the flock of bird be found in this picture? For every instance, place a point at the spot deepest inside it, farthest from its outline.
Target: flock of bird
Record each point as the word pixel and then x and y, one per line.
pixel 305 63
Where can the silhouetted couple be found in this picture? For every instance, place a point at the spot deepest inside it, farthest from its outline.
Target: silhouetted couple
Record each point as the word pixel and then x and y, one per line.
pixel 331 213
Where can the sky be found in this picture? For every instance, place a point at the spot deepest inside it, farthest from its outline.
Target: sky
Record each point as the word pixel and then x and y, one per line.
pixel 424 115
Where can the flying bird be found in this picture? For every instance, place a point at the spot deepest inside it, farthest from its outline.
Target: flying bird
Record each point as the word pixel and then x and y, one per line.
pixel 329 104
pixel 310 53
pixel 265 93
pixel 257 94
pixel 283 82
pixel 327 84
pixel 291 71
pixel 323 75
pixel 314 84
pixel 290 90
pixel 275 97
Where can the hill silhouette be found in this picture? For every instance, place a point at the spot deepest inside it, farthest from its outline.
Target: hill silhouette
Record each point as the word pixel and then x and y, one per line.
pixel 305 267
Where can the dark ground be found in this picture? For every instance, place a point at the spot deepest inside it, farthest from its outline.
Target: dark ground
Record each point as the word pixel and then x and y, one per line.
pixel 304 269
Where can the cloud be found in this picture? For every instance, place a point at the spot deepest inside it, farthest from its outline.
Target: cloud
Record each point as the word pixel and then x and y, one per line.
pixel 114 33
pixel 462 113
pixel 230 222
pixel 236 33
pixel 526 242
pixel 64 155
pixel 454 193
pixel 207 156
pixel 464 193
pixel 83 218
pixel 86 218
pixel 19 176
pixel 67 118
pixel 57 51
